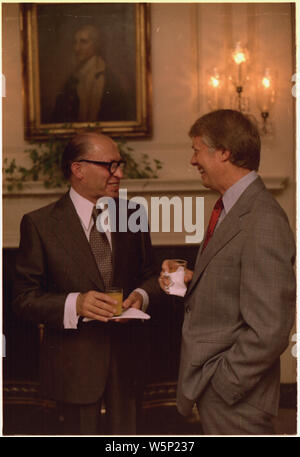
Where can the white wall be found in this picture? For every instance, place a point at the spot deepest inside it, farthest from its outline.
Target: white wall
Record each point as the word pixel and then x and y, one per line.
pixel 187 39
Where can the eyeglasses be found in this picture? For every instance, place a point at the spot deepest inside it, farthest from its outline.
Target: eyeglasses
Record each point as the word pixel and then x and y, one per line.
pixel 111 166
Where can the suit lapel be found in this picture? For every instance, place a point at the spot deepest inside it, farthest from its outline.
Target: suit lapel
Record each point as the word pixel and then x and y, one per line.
pixel 226 231
pixel 70 234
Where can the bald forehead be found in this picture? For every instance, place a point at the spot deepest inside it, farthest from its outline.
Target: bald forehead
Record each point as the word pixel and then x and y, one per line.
pixel 95 143
pixel 98 139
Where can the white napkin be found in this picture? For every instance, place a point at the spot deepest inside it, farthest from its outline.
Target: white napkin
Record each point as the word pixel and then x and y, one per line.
pixel 130 313
pixel 177 286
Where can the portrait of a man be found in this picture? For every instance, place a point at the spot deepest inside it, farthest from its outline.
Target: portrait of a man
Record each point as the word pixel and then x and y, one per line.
pixel 82 94
pixel 85 64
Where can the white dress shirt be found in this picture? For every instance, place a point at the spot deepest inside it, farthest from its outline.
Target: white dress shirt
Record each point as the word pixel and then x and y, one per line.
pixel 84 209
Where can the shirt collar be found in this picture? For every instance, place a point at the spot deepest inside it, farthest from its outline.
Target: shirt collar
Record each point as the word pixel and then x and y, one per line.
pixel 83 207
pixel 234 192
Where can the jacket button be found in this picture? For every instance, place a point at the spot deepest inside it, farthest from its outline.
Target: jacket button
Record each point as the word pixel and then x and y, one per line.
pixel 187 309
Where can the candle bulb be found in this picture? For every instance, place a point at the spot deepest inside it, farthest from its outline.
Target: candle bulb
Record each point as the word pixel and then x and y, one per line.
pixel 266 82
pixel 214 81
pixel 266 91
pixel 214 88
pixel 240 57
pixel 265 97
pixel 238 75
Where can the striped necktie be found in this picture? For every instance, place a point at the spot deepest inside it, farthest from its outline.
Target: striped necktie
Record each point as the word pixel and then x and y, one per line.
pixel 102 251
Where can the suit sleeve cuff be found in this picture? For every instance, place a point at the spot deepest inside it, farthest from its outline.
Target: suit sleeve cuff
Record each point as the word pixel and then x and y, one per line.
pixel 145 298
pixel 70 314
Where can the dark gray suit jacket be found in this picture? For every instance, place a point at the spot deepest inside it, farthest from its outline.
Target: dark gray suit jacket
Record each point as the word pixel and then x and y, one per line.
pixel 240 306
pixel 55 259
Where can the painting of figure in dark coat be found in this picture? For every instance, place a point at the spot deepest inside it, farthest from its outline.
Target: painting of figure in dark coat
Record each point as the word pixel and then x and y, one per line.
pixel 87 62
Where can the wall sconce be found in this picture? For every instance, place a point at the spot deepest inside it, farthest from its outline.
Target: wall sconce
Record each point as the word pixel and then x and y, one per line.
pixel 265 97
pixel 227 88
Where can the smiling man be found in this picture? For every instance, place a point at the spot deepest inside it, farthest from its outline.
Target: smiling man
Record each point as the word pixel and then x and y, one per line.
pixel 63 267
pixel 240 303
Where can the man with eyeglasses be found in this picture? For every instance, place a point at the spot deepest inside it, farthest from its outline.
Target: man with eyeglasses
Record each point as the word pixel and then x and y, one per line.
pixel 60 282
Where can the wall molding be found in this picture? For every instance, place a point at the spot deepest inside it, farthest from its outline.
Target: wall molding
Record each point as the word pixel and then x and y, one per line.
pixel 37 188
pixel 34 195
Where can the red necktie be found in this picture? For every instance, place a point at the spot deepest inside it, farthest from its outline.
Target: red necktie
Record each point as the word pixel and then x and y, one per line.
pixel 213 221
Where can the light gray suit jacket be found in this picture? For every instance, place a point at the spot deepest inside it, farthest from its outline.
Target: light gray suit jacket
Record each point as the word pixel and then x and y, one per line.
pixel 240 306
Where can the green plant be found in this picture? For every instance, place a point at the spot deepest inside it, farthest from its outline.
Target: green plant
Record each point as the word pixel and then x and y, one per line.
pixel 46 158
pixel 138 170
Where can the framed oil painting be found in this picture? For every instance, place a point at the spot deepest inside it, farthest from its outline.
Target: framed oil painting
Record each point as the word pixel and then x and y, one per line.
pixel 86 66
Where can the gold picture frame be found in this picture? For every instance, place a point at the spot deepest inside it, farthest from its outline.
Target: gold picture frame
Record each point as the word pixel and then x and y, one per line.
pixel 86 66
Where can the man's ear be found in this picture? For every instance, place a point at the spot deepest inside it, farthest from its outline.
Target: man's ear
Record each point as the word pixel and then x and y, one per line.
pixel 76 169
pixel 225 155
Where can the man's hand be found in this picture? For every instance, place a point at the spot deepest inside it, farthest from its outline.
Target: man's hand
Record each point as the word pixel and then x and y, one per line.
pixel 95 305
pixel 164 281
pixel 188 276
pixel 134 300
